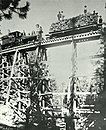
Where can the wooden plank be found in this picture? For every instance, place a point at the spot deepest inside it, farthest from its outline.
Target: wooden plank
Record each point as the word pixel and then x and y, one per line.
pixel 12 71
pixel 94 35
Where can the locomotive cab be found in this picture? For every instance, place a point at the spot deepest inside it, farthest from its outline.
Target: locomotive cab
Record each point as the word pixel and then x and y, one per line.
pixel 15 34
pixel 11 40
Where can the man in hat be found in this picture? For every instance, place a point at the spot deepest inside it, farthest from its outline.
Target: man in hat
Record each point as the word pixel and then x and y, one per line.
pixel 38 32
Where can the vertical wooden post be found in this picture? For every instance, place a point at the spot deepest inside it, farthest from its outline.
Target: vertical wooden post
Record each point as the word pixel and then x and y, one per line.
pixel 72 83
pixel 12 71
pixel 19 74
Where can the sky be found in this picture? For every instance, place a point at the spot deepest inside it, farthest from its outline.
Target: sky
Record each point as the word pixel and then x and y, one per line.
pixel 60 63
pixel 45 13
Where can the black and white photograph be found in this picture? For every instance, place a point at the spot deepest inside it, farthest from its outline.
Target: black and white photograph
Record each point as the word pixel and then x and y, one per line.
pixel 52 64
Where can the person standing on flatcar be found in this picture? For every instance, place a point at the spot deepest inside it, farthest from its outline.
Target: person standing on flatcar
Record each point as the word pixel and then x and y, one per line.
pixel 60 16
pixel 95 18
pixel 38 32
pixel 85 9
pixel 100 20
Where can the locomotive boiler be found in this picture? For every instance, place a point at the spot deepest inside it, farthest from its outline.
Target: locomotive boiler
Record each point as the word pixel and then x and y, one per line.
pixel 15 39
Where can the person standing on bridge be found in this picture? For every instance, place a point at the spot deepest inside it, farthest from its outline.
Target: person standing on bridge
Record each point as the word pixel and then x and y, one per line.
pixel 38 32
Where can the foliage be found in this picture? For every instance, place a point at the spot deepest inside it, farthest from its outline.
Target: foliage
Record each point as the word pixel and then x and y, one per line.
pixel 100 100
pixel 36 118
pixel 8 7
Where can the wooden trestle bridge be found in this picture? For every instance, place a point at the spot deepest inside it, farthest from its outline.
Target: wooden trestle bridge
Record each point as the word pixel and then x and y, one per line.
pixel 15 63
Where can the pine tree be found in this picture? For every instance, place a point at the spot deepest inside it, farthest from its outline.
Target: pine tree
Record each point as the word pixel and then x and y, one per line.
pixel 100 104
pixel 8 7
pixel 99 119
pixel 39 83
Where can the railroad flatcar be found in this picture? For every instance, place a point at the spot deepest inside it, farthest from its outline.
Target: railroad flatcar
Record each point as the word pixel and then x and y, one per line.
pixel 76 25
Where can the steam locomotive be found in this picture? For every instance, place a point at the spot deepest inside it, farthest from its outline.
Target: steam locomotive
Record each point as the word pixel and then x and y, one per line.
pixel 76 25
pixel 16 38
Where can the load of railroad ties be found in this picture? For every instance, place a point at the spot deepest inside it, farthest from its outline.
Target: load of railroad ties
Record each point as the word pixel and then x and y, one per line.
pixel 83 23
pixel 79 21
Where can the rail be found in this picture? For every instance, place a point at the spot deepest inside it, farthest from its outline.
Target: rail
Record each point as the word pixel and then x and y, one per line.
pixel 89 36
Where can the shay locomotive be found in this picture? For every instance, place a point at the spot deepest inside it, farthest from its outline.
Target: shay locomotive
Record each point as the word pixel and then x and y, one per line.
pixel 15 39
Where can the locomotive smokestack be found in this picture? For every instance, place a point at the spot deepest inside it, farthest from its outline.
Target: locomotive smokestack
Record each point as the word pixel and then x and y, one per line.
pixel 9 31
